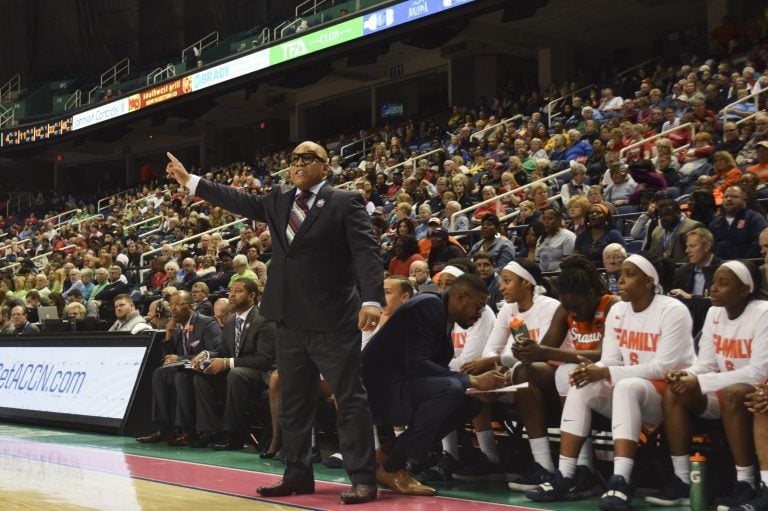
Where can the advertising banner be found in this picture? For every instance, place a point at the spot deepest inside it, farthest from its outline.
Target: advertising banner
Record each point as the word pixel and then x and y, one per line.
pixel 316 41
pixel 91 381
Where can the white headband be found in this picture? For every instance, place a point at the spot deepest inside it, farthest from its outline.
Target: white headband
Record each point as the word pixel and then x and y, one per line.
pixel 452 270
pixel 647 268
pixel 742 272
pixel 524 274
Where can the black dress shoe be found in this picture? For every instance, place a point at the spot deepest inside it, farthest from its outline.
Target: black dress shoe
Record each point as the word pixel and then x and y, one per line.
pixel 286 488
pixel 231 442
pixel 206 439
pixel 360 493
pixel 266 455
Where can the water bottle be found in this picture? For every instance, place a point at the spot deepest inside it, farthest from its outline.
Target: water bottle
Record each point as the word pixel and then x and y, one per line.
pixel 613 284
pixel 518 329
pixel 698 482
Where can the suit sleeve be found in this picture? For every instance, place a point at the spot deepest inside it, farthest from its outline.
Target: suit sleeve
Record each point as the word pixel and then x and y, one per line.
pixel 231 199
pixel 420 341
pixel 365 251
pixel 211 335
pixel 264 358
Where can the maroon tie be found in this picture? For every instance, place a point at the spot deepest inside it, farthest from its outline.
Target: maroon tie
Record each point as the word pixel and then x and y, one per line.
pixel 298 214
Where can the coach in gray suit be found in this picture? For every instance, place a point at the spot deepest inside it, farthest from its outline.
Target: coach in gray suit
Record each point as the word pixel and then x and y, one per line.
pixel 173 394
pixel 241 362
pixel 324 286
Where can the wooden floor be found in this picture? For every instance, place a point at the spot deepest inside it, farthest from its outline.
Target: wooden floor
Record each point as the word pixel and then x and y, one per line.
pixel 43 469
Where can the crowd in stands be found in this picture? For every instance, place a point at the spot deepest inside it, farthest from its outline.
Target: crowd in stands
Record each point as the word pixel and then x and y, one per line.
pixel 557 218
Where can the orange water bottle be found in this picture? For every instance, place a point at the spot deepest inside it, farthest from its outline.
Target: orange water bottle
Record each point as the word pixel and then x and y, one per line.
pixel 518 329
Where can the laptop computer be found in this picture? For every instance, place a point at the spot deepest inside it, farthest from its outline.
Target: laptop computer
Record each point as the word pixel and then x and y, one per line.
pixel 45 312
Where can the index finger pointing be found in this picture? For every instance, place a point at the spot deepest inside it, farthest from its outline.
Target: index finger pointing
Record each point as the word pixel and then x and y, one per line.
pixel 172 157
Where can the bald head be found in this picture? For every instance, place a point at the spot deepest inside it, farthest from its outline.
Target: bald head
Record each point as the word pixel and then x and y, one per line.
pixel 309 165
pixel 309 146
pixel 763 240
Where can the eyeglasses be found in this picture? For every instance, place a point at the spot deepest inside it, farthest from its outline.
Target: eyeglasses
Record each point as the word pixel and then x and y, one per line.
pixel 306 158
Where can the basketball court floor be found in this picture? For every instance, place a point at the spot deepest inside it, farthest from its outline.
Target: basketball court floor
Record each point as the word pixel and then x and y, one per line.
pixel 43 468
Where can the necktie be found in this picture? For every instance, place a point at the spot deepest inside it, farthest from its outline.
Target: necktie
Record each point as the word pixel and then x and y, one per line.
pixel 185 341
pixel 298 214
pixel 238 332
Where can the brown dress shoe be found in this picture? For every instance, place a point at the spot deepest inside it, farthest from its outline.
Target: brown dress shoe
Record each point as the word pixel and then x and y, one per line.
pixel 402 482
pixel 157 436
pixel 183 439
pixel 360 493
pixel 381 457
pixel 286 488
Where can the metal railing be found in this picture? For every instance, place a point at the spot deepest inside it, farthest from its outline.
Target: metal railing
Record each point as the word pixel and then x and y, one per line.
pixel 278 28
pixel 281 172
pixel 503 195
pixel 74 101
pixel 640 143
pixel 10 87
pixel 111 75
pixel 363 140
pixel 189 238
pixel 290 25
pixel 98 204
pixel 15 242
pixel 312 9
pixel 755 95
pixel 552 103
pixel 142 222
pixel 637 66
pixel 503 121
pixel 749 118
pixel 516 213
pixel 211 39
pixel 57 218
pixel 411 161
pixel 161 73
pixel 265 36
pixel 83 220
pixel 38 257
pixel 7 116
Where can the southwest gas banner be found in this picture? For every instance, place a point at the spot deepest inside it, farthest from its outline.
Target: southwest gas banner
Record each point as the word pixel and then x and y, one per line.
pixel 160 93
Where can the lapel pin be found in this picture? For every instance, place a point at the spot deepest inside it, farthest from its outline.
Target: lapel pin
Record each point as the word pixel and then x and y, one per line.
pixel 320 203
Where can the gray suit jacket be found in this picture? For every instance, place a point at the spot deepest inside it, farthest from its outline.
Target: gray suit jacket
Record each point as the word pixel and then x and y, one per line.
pixel 205 335
pixel 676 248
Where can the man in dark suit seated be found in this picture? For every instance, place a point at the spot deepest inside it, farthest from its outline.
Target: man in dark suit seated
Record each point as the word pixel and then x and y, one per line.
pixel 240 364
pixel 694 278
pixel 324 287
pixel 187 334
pixel 405 369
